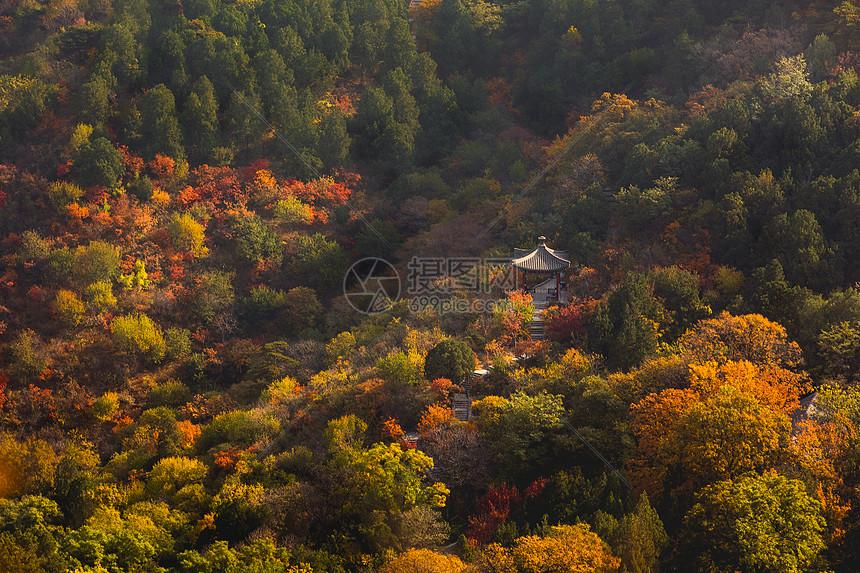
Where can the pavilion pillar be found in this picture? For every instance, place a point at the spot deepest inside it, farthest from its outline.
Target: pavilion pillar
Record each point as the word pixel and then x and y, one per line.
pixel 558 286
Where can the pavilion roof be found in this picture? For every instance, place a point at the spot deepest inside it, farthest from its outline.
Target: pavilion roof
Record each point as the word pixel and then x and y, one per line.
pixel 541 258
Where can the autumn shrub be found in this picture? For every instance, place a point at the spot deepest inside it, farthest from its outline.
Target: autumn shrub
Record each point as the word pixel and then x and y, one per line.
pixel 570 322
pixel 170 475
pixel 400 367
pixel 138 279
pixel 80 136
pixel 171 393
pixel 565 549
pixel 29 356
pixel 177 343
pixel 239 427
pixel 138 335
pixel 435 416
pixel 292 212
pixel 187 235
pixel 33 247
pixel 155 434
pixel 105 406
pixel 68 308
pixel 391 430
pixel 280 392
pixel 442 388
pixel 62 194
pixel 161 167
pixel 201 409
pixel 26 466
pixel 100 297
pixel 511 320
pixel 491 511
pixel 424 561
pixel 747 337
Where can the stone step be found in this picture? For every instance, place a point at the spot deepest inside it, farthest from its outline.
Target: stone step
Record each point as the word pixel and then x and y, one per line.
pixel 462 406
pixel 536 328
pixel 436 472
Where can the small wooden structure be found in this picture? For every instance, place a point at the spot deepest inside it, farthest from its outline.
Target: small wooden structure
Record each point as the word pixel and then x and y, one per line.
pixel 541 261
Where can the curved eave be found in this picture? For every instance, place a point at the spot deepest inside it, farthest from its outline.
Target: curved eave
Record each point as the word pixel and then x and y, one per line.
pixel 541 259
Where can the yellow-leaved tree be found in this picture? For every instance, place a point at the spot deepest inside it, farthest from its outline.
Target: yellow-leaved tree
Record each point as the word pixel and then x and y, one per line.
pixel 424 561
pixel 187 235
pixel 564 549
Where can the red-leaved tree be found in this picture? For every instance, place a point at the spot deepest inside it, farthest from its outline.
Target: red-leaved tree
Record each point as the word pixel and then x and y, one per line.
pixel 491 511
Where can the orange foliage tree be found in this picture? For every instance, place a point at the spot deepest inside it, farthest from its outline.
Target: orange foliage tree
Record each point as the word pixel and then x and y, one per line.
pixel 732 420
pixel 391 429
pixel 732 415
pixel 824 452
pixel 435 416
pixel 748 337
pixel 161 167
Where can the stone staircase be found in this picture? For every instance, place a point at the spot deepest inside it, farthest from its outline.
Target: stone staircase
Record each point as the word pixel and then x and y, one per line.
pixel 462 405
pixel 536 329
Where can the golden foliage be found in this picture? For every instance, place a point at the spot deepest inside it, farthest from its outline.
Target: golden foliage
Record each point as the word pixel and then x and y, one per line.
pixel 774 387
pixel 714 430
pixel 654 420
pixel 160 198
pixel 68 308
pixel 187 235
pixel 424 561
pixel 566 549
pixel 26 467
pixel 748 337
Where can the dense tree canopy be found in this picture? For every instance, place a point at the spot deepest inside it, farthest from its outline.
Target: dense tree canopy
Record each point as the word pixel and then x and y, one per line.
pixel 185 385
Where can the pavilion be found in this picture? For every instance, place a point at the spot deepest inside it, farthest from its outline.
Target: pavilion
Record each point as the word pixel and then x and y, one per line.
pixel 542 261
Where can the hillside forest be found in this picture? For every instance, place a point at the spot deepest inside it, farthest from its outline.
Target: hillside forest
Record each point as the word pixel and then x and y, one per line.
pixel 186 386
